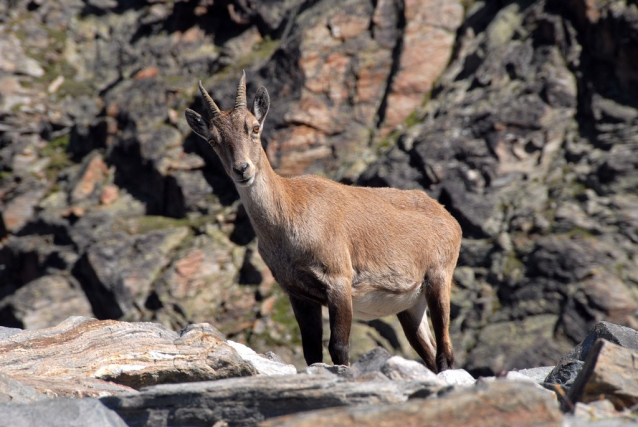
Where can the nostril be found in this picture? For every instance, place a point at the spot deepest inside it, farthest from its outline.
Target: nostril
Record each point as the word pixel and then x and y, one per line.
pixel 241 168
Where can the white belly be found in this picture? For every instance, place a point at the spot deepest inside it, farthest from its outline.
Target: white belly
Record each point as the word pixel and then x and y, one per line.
pixel 369 302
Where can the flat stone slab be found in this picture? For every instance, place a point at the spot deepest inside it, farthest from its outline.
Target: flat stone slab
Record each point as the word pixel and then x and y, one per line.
pixel 248 401
pixel 499 403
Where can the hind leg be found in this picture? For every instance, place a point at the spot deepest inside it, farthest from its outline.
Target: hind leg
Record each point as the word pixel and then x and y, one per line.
pixel 417 330
pixel 437 294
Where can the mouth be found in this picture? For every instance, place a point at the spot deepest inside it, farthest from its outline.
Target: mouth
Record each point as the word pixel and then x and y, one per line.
pixel 245 182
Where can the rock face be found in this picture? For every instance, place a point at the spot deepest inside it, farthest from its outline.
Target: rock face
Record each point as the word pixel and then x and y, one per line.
pixel 518 142
pixel 520 117
pixel 107 199
pixel 362 69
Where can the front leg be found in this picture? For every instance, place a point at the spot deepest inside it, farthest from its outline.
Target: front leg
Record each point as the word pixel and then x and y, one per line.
pixel 340 310
pixel 308 315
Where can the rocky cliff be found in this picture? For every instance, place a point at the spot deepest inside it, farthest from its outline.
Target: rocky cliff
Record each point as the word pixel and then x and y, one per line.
pixel 521 117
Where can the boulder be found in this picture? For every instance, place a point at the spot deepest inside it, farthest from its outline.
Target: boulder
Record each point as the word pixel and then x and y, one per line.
pixel 609 373
pixel 44 302
pixel 501 403
pixel 248 401
pixel 262 364
pixel 456 377
pixel 129 354
pixel 118 272
pixel 537 375
pixel 397 368
pixel 572 362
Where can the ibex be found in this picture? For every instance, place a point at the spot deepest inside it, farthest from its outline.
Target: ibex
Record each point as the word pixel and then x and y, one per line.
pixel 362 252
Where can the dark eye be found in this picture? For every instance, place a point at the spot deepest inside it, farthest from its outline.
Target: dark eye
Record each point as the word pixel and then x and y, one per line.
pixel 255 129
pixel 211 142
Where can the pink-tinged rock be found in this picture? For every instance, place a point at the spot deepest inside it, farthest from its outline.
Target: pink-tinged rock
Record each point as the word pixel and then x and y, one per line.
pixel 85 351
pixel 346 56
pixel 20 209
pixel 427 40
pixel 345 26
pixel 93 174
pixel 110 194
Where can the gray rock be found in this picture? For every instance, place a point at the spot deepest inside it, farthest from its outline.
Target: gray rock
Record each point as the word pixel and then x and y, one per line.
pixel 456 377
pixel 59 413
pixel 7 332
pixel 537 375
pixel 565 372
pixel 398 368
pixel 247 401
pixel 572 362
pixel 14 391
pixel 262 365
pixel 324 368
pixel 118 272
pixel 46 302
pixel 370 363
pixel 620 335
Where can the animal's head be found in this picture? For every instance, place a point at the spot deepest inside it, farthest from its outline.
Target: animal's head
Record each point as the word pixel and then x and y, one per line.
pixel 235 135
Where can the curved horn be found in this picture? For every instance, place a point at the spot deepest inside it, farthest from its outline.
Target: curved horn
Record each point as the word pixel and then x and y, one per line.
pixel 240 100
pixel 213 109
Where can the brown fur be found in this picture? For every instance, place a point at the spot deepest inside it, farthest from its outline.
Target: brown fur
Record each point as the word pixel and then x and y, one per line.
pixel 363 252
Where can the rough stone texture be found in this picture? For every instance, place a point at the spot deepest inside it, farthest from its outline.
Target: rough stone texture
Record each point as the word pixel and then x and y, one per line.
pixel 616 334
pixel 398 368
pixel 59 413
pixel 247 401
pixel 527 137
pixel 609 372
pixel 496 404
pixel 131 354
pixel 43 302
pixel 571 363
pixel 599 413
pixel 518 142
pixel 363 68
pixel 537 375
pixel 456 377
pixel 14 391
pixel 261 364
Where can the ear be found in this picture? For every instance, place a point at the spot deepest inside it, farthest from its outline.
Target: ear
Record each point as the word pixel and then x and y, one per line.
pixel 197 124
pixel 261 104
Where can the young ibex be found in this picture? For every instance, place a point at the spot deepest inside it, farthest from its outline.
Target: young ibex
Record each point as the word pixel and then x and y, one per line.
pixel 362 252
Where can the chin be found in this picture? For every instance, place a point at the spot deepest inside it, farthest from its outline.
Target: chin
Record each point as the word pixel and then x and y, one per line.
pixel 246 182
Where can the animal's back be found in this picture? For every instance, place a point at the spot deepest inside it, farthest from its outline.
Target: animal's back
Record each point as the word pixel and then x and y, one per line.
pixel 386 234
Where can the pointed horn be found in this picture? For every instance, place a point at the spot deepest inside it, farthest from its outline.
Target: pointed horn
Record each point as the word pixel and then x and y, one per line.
pixel 240 100
pixel 208 101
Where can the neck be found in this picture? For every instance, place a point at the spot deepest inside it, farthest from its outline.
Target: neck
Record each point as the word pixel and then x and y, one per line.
pixel 265 199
